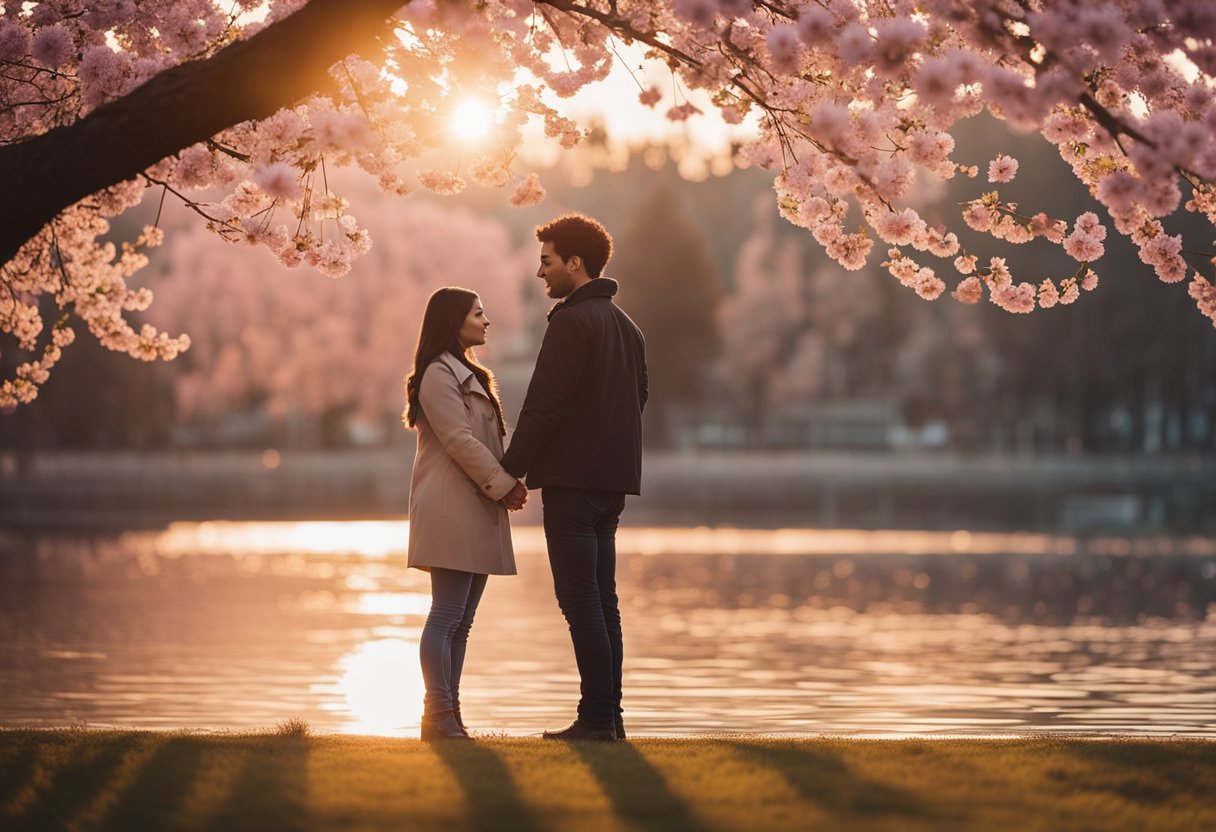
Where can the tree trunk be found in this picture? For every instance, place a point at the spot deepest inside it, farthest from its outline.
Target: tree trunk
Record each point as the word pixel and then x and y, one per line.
pixel 183 105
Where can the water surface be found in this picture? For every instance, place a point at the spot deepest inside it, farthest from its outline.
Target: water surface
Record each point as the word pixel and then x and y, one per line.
pixel 242 625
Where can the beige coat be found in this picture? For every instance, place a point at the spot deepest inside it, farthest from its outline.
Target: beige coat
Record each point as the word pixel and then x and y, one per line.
pixel 455 521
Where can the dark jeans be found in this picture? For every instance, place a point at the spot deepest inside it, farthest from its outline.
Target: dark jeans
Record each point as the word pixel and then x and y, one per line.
pixel 580 530
pixel 454 599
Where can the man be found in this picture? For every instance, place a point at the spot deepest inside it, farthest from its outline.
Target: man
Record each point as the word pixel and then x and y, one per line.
pixel 579 440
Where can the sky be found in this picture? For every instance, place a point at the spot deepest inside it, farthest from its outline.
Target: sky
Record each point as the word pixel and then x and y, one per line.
pixel 704 140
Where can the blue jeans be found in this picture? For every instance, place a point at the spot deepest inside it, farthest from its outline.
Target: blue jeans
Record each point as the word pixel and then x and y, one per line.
pixel 454 599
pixel 580 530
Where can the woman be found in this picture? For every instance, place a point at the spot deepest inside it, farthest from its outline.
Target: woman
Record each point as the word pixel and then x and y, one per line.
pixel 459 531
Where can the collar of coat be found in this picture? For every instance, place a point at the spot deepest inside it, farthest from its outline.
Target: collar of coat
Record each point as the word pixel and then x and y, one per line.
pixel 598 287
pixel 464 376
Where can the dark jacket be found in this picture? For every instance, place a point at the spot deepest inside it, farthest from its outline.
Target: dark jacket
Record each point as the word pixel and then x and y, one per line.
pixel 581 423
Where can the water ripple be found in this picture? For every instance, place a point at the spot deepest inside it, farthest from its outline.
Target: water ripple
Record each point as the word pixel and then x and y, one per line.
pixel 727 631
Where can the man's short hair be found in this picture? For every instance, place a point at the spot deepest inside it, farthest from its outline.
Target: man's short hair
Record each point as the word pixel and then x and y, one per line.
pixel 578 234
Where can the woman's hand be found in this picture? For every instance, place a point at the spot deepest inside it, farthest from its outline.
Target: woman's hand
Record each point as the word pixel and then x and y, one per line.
pixel 516 498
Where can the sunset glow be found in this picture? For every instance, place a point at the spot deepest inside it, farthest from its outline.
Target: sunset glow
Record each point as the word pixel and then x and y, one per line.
pixel 472 119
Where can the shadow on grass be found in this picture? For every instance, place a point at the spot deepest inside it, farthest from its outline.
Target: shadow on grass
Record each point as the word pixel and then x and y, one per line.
pixel 1148 773
pixel 636 788
pixel 822 778
pixel 271 789
pixel 493 798
pixel 17 757
pixel 153 799
pixel 135 781
pixel 66 790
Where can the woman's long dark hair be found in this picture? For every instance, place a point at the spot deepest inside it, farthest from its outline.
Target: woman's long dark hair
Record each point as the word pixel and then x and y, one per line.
pixel 440 333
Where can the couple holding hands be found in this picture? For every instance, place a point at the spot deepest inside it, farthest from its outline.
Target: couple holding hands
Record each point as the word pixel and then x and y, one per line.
pixel 578 440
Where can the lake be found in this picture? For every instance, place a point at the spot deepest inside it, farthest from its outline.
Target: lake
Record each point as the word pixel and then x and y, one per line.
pixel 240 625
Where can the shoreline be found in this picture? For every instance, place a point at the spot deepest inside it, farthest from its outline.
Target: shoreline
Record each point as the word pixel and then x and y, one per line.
pixel 497 735
pixel 1139 496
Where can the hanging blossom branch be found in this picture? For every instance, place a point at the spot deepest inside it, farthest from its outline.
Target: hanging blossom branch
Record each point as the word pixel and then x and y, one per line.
pixel 856 100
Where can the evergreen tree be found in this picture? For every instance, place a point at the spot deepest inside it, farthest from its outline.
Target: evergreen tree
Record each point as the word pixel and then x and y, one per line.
pixel 670 287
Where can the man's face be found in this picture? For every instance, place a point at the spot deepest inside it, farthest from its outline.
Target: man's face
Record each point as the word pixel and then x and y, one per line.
pixel 558 280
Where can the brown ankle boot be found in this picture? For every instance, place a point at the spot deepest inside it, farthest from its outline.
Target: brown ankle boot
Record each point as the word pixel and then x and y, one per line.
pixel 441 725
pixel 460 720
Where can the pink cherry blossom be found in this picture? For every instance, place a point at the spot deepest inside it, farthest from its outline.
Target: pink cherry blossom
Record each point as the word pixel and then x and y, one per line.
pixel 683 112
pixel 783 47
pixel 1204 295
pixel 1083 247
pixel 897 39
pixel 650 96
pixel 52 46
pixel 490 173
pixel 528 192
pixel 899 229
pixel 939 244
pixel 1012 230
pixel 969 291
pixel 815 25
pixel 930 147
pixel 1019 298
pixel 103 74
pixel 15 41
pixel 978 216
pixel 854 45
pixel 279 180
pixel 998 272
pixel 699 13
pixel 1044 226
pixel 563 129
pixel 442 182
pixel 936 82
pixel 928 285
pixel 1065 126
pixel 1002 169
pixel 1049 295
pixel 1163 253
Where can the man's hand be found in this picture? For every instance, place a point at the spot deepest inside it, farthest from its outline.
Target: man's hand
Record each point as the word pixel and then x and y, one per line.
pixel 516 498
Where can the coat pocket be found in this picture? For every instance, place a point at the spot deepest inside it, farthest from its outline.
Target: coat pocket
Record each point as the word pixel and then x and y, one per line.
pixel 463 501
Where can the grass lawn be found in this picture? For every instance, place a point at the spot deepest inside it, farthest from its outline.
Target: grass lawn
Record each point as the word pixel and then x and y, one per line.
pixel 83 779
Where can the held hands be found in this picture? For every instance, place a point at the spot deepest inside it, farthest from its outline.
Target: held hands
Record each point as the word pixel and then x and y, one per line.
pixel 516 498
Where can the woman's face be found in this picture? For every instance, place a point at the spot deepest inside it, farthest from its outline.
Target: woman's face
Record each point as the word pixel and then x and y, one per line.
pixel 473 330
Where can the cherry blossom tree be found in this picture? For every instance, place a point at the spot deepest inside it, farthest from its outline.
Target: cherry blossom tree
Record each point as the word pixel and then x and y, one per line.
pixel 851 101
pixel 322 349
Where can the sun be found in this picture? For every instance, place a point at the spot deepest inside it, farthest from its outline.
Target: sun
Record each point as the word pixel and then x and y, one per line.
pixel 472 119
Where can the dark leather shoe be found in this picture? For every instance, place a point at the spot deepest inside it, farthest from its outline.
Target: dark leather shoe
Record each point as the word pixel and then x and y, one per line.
pixel 620 727
pixel 580 730
pixel 441 726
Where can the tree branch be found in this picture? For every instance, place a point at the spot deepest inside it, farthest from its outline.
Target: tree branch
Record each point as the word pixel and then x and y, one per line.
pixel 183 105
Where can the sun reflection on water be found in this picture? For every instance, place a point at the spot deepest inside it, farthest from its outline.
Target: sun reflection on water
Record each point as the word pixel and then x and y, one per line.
pixel 382 538
pixel 371 538
pixel 380 689
pixel 392 603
